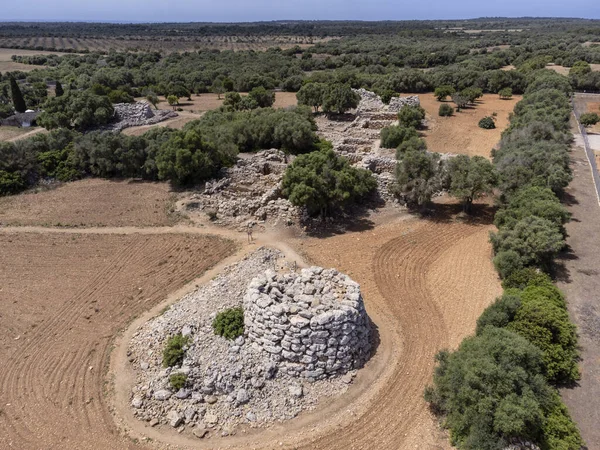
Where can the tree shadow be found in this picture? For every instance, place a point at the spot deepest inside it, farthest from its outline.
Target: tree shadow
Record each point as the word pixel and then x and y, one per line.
pixel 346 117
pixel 481 213
pixel 569 199
pixel 559 270
pixel 322 228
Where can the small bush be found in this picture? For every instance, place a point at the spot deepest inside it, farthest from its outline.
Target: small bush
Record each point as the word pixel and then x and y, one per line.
pixel 393 136
pixel 173 353
pixel 487 123
pixel 529 276
pixel 445 110
pixel 229 323
pixel 177 380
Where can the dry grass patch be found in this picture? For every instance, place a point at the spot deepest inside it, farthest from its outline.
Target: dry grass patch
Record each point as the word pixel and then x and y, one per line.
pixel 460 134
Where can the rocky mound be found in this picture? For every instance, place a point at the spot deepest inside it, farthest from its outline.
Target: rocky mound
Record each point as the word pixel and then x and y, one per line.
pixel 240 382
pixel 371 104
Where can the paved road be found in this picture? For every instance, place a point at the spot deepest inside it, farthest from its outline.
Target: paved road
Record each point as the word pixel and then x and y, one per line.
pixel 581 284
pixel 591 158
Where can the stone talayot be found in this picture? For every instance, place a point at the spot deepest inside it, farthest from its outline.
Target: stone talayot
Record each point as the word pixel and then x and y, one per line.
pixel 333 341
pixel 314 337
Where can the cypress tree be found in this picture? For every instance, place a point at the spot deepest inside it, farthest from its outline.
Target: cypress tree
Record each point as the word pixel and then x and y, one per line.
pixel 17 96
pixel 58 90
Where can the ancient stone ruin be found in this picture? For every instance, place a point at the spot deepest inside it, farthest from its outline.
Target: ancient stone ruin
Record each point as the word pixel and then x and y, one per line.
pixel 305 335
pixel 313 324
pixel 136 114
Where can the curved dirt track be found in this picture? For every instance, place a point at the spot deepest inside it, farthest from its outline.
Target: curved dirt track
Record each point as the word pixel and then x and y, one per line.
pixel 431 282
pixel 424 285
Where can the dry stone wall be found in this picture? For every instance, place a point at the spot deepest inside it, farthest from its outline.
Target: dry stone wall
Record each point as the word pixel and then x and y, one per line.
pixel 313 323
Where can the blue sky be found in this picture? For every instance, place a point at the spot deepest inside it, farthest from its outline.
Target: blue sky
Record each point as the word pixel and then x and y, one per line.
pixel 253 10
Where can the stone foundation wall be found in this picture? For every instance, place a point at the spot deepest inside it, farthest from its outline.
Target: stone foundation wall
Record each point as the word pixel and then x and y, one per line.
pixel 312 323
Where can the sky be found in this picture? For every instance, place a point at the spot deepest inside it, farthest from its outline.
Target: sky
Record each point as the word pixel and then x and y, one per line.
pixel 257 10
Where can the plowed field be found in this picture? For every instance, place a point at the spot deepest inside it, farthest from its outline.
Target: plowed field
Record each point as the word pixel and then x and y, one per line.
pixel 92 202
pixel 63 297
pixel 428 282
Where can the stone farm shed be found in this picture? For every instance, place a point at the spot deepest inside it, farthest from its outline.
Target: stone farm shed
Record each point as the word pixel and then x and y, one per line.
pixel 26 119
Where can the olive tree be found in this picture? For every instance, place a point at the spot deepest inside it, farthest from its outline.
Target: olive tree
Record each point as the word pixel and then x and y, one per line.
pixel 471 178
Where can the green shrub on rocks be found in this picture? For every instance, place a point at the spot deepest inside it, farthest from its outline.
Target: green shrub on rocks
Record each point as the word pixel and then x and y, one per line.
pixel 173 353
pixel 229 323
pixel 177 380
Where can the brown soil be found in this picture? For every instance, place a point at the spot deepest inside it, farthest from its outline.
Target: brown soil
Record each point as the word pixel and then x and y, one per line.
pixel 565 70
pixel 460 133
pixel 424 281
pixel 427 281
pixel 208 102
pixel 57 327
pixel 92 202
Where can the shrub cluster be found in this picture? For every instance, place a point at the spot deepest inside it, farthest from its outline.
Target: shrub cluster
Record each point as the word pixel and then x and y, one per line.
pixel 184 157
pixel 174 351
pixel 229 323
pixel 497 389
pixel 487 123
pixel 177 381
pixel 324 182
pixel 445 110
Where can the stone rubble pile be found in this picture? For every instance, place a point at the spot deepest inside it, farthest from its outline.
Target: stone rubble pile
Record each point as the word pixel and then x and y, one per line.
pixel 242 382
pixel 248 191
pixel 136 114
pixel 313 324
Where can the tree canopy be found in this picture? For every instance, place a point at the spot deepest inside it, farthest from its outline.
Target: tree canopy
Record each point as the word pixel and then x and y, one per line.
pixel 323 182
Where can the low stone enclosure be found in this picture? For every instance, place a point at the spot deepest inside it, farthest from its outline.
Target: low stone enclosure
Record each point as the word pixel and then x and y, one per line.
pixel 306 334
pixel 136 114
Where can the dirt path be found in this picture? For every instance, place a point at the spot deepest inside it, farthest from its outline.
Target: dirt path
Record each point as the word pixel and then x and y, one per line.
pixel 424 283
pixel 580 281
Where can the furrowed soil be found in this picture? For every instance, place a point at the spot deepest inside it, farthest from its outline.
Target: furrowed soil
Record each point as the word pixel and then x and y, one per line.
pixel 459 133
pixel 64 297
pixel 67 293
pixel 92 202
pixel 426 282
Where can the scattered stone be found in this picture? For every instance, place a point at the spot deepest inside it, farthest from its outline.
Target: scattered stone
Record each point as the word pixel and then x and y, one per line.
pixel 136 114
pixel 211 419
pixel 174 418
pixel 153 422
pixel 137 402
pixel 200 431
pixel 211 399
pixel 296 390
pixel 162 395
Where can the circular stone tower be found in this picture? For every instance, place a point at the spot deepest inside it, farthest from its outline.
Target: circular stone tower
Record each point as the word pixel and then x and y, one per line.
pixel 312 323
